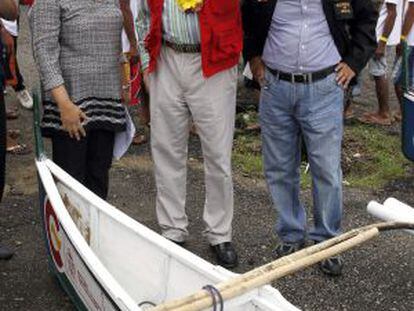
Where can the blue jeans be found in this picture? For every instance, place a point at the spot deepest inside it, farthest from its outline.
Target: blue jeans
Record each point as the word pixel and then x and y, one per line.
pixel 313 112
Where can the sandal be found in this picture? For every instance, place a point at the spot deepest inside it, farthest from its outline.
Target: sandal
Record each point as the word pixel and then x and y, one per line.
pixel 373 118
pixel 18 149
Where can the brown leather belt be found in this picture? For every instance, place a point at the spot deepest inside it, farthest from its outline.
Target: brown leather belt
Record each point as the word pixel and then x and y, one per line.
pixel 303 77
pixel 183 48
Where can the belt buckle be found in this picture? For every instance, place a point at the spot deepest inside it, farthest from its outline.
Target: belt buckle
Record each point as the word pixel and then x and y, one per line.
pixel 306 77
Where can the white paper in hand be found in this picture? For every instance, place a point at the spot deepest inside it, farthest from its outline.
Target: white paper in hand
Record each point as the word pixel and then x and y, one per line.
pixel 248 72
pixel 124 139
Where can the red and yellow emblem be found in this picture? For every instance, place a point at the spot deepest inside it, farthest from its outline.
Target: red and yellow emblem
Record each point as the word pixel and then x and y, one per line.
pixel 53 234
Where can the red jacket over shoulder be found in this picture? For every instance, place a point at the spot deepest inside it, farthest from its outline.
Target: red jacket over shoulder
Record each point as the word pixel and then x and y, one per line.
pixel 221 34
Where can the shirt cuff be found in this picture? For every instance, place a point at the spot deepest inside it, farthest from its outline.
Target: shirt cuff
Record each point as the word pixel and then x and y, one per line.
pixel 52 82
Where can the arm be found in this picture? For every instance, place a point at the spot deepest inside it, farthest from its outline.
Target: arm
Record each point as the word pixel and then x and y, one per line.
pixel 129 26
pixel 45 26
pixel 363 41
pixel 408 20
pixel 406 28
pixel 143 26
pixel 363 35
pixel 8 9
pixel 388 27
pixel 256 19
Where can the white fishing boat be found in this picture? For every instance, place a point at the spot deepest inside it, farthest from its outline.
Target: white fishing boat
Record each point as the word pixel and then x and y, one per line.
pixel 106 260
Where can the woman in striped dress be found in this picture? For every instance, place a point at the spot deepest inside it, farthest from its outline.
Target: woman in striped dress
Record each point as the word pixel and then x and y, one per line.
pixel 77 47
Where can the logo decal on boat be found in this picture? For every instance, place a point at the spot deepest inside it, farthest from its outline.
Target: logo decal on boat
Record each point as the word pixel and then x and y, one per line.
pixel 53 234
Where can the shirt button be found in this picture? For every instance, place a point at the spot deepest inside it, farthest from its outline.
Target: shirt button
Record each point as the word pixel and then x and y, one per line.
pixel 305 7
pixel 306 26
pixel 301 67
pixel 303 47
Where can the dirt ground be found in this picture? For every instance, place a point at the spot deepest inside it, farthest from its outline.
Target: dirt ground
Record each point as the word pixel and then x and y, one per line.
pixel 377 276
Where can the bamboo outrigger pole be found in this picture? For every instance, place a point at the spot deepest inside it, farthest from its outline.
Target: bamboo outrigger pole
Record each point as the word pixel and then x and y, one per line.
pixel 282 267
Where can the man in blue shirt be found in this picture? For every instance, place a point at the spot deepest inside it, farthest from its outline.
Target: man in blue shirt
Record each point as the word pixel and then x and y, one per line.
pixel 304 53
pixel 8 10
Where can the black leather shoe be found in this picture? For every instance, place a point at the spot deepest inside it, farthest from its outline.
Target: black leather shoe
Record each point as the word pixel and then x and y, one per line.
pixel 5 253
pixel 225 254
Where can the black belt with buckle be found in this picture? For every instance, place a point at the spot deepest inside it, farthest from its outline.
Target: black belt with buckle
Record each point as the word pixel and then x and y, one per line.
pixel 183 48
pixel 303 77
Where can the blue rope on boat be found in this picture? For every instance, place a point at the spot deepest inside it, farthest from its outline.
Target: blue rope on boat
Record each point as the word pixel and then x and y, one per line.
pixel 216 296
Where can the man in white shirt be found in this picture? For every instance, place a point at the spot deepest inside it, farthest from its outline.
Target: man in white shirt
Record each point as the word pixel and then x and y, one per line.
pixel 388 34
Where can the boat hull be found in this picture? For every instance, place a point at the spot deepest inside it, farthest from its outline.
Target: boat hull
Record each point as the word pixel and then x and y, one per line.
pixel 106 260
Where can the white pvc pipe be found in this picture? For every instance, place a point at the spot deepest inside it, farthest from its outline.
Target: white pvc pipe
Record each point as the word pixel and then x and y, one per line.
pixel 392 210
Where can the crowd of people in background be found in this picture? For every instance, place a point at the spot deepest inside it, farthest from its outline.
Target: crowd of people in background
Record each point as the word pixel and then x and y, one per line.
pixel 179 64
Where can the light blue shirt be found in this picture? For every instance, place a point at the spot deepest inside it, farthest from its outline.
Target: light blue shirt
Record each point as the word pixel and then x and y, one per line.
pixel 299 39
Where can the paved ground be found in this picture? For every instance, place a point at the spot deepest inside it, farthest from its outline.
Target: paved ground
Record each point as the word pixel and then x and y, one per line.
pixel 378 275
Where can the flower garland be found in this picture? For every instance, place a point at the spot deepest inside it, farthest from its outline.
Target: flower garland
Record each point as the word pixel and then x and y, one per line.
pixel 190 5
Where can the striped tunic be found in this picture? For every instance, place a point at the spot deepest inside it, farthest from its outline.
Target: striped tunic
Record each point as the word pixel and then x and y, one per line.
pixel 178 27
pixel 77 43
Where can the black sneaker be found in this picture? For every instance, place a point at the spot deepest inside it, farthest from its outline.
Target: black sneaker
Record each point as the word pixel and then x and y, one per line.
pixel 332 266
pixel 287 248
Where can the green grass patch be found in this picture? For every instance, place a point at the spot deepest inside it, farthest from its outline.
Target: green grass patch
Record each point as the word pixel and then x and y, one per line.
pixel 371 156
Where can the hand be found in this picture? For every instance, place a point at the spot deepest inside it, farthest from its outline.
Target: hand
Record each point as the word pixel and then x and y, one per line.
pixel 145 78
pixel 134 54
pixel 344 75
pixel 399 50
pixel 72 117
pixel 380 51
pixel 258 70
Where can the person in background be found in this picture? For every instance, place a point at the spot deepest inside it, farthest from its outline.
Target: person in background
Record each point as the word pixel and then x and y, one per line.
pixel 132 66
pixel 407 38
pixel 190 69
pixel 10 32
pixel 388 34
pixel 8 10
pixel 81 84
pixel 304 54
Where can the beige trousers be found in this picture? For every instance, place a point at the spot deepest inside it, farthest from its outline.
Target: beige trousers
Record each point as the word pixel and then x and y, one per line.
pixel 179 94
